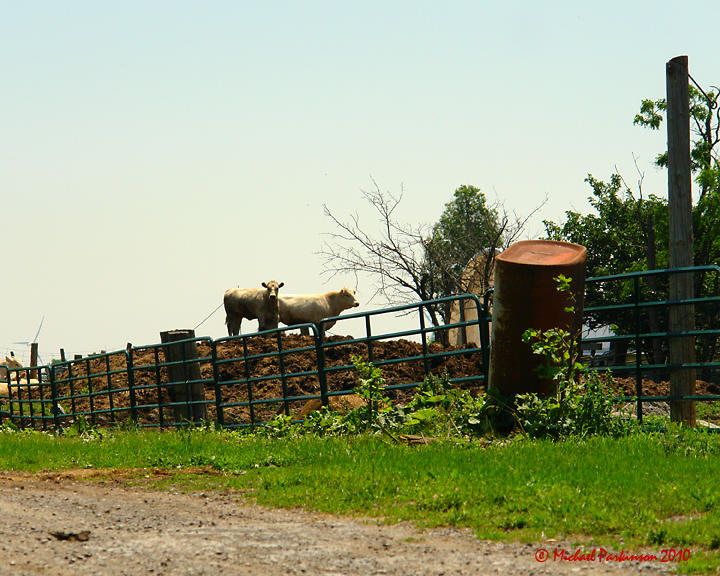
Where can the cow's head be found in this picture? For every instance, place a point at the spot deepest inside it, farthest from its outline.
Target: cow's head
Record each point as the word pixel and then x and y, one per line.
pixel 13 362
pixel 272 288
pixel 349 299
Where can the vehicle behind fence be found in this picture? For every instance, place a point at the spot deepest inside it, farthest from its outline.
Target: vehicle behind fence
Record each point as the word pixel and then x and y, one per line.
pixel 246 380
pixel 637 306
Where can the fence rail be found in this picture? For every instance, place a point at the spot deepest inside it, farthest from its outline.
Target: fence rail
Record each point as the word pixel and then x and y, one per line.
pixel 242 380
pixel 246 380
pixel 642 351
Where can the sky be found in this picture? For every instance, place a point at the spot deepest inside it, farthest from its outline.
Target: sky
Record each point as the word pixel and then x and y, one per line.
pixel 154 154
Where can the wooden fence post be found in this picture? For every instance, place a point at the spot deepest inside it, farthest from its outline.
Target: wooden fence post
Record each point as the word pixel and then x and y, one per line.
pixel 682 317
pixel 33 359
pixel 190 397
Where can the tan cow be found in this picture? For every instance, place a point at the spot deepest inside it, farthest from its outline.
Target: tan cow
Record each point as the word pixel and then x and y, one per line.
pixel 13 362
pixel 302 308
pixel 252 303
pixel 478 277
pixel 17 378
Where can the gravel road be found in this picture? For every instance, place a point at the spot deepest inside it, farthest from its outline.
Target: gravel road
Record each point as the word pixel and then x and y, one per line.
pixel 70 524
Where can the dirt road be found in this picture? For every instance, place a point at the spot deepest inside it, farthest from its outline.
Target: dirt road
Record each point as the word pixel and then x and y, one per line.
pixel 67 524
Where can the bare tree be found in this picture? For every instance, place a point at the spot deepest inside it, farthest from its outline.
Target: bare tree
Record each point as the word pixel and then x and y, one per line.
pixel 418 262
pixel 395 257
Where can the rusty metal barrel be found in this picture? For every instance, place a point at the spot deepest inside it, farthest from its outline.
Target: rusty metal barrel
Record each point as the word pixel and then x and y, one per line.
pixel 526 296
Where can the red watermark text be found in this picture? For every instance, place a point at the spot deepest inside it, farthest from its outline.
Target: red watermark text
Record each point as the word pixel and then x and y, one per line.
pixel 603 555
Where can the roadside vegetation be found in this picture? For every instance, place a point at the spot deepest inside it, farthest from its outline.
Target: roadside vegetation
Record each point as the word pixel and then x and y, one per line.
pixel 559 468
pixel 640 491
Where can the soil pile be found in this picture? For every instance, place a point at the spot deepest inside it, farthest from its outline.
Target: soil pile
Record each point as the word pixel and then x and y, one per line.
pixel 276 374
pixel 255 378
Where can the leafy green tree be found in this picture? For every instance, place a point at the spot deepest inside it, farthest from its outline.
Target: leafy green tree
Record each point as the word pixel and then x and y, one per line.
pixel 705 164
pixel 467 227
pixel 629 232
pixel 705 115
pixel 619 235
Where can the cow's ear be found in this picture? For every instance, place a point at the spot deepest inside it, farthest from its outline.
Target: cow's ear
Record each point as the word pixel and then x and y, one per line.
pixel 264 285
pixel 281 284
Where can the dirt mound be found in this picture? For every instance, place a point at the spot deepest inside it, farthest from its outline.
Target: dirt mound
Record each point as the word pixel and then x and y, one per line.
pixel 251 380
pixel 627 387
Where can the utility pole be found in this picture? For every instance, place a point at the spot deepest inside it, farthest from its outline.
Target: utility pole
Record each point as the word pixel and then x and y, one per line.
pixel 682 316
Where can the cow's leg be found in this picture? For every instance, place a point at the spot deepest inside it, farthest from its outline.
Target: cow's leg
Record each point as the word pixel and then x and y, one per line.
pixel 233 325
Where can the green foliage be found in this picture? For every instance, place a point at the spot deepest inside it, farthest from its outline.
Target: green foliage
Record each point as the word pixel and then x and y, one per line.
pixel 705 165
pixel 616 234
pixel 279 427
pixel 467 225
pixel 326 423
pixel 81 428
pixel 703 113
pixel 376 416
pixel 9 426
pixel 575 409
pixel 580 404
pixel 439 409
pixel 628 230
pixel 370 389
pixel 620 236
pixel 651 113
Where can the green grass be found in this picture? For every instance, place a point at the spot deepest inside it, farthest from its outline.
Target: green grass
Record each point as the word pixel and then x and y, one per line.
pixel 709 411
pixel 653 491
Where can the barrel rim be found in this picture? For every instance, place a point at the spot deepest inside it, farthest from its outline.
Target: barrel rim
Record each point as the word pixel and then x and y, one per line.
pixel 576 253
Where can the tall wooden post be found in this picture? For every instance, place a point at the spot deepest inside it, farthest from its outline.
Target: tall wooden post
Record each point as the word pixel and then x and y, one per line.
pixel 682 317
pixel 33 359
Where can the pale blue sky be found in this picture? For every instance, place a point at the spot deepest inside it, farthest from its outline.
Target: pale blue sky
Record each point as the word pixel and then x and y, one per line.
pixel 154 154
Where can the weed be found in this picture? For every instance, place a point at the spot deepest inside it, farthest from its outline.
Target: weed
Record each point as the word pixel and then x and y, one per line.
pixel 581 403
pixel 279 427
pixel 83 429
pixel 370 389
pixel 327 423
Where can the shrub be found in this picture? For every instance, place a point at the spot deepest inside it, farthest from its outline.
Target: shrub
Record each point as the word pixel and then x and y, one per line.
pixel 581 403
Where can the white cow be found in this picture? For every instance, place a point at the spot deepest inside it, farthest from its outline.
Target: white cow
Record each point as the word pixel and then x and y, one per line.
pixel 252 303
pixel 302 308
